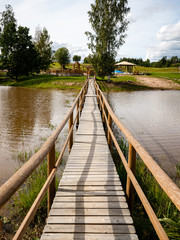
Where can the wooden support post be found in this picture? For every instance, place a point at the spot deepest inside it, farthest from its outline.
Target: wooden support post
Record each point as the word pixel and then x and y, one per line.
pixel 71 137
pixel 109 135
pixel 81 97
pixel 132 166
pixel 1 224
pixel 98 96
pixel 77 111
pixel 103 112
pixel 50 165
pixel 100 102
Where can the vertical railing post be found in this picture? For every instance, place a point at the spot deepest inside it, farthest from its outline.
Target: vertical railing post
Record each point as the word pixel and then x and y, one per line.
pixel 132 166
pixel 77 111
pixel 100 102
pixel 109 135
pixel 50 166
pixel 98 95
pixel 80 109
pixel 103 111
pixel 71 137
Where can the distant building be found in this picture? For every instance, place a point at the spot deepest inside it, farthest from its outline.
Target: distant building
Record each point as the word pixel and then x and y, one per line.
pixel 125 66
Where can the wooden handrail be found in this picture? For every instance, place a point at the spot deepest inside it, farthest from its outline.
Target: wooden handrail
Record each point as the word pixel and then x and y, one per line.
pixel 162 178
pixel 48 149
pixel 29 216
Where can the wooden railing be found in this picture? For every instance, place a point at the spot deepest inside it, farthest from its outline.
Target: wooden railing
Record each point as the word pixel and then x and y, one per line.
pixel 48 149
pixel 168 186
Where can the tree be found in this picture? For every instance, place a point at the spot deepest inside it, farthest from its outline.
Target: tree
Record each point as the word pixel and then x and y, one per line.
pixel 62 56
pixel 25 57
pixel 43 46
pixel 109 23
pixel 18 53
pixel 76 58
pixel 87 59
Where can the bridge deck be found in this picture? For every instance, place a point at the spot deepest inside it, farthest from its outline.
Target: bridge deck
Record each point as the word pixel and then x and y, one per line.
pixel 90 203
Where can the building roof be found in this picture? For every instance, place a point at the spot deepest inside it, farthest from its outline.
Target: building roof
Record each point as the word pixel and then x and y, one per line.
pixel 124 63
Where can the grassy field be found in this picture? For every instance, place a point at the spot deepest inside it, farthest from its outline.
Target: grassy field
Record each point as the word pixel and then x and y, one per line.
pixel 56 66
pixel 171 73
pixel 158 70
pixel 45 81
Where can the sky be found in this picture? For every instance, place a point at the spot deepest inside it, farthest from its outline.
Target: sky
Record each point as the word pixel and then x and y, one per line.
pixel 153 31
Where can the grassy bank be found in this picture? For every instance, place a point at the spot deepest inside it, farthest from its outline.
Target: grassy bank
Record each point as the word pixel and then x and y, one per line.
pixel 165 210
pixel 121 83
pixel 45 81
pixel 158 70
pixel 23 199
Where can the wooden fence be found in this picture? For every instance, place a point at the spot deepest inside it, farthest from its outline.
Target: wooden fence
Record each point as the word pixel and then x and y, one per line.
pixel 48 149
pixel 161 177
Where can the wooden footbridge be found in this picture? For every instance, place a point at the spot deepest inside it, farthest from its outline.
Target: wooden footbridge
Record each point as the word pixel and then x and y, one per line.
pixel 90 203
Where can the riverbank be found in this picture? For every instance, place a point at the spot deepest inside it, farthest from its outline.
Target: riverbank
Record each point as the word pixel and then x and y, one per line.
pixel 138 83
pixel 162 81
pixel 45 81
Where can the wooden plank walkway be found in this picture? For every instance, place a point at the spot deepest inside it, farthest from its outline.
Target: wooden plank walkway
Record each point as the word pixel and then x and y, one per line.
pixel 90 203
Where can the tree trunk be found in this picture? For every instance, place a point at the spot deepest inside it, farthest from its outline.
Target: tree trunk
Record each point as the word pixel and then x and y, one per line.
pixel 108 78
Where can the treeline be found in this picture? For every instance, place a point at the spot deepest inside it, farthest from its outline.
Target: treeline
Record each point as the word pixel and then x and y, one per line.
pixel 163 62
pixel 21 54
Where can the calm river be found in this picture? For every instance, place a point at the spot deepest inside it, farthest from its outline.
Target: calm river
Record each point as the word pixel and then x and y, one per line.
pixel 153 117
pixel 27 116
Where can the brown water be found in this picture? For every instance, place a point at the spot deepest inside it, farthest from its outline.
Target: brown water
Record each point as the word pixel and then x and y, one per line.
pixel 26 119
pixel 25 114
pixel 153 117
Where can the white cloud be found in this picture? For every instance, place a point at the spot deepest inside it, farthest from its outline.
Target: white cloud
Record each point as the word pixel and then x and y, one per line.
pixel 169 33
pixel 74 49
pixel 169 37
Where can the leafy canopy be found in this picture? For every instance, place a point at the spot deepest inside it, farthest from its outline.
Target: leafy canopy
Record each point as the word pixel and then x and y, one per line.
pixel 109 23
pixel 76 58
pixel 62 56
pixel 43 46
pixel 18 53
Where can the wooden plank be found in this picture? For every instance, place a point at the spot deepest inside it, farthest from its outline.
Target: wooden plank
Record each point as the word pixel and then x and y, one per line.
pixel 71 228
pixel 90 187
pixel 67 192
pixel 108 169
pixel 90 177
pixel 84 205
pixel 89 199
pixel 90 183
pixel 78 236
pixel 89 220
pixel 89 212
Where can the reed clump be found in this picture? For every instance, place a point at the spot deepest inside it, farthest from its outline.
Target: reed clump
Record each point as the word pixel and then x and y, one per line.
pixel 164 209
pixel 24 198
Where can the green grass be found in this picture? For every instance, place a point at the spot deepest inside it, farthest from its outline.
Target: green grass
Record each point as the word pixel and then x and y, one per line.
pixel 158 70
pixel 45 81
pixel 163 207
pixel 26 195
pixel 121 83
pixel 57 66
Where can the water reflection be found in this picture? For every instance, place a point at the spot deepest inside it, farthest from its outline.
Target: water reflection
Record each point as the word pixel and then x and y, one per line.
pixel 154 119
pixel 25 115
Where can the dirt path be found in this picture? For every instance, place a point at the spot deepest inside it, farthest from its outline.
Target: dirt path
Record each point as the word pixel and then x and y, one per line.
pixel 157 82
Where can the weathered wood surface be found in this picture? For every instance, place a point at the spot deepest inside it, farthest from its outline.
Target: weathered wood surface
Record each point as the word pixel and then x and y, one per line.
pixel 90 203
